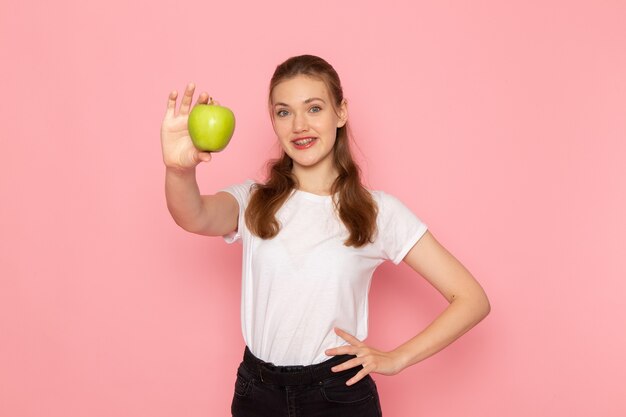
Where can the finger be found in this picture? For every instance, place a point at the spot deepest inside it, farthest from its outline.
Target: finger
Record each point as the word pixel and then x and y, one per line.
pixel 203 98
pixel 171 103
pixel 342 350
pixel 352 363
pixel 185 105
pixel 348 337
pixel 359 376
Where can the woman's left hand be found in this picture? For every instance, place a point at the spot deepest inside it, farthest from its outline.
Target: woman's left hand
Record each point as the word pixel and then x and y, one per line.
pixel 372 360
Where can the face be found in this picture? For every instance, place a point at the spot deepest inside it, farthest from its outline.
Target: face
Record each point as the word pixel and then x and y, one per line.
pixel 305 120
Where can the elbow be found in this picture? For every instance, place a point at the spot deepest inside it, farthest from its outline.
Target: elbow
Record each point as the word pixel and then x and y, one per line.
pixel 486 307
pixel 477 303
pixel 483 305
pixel 194 228
pixel 186 225
pixel 481 301
pixel 180 221
pixel 185 222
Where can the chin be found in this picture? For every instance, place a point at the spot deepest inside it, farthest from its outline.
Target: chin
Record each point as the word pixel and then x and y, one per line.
pixel 300 160
pixel 306 162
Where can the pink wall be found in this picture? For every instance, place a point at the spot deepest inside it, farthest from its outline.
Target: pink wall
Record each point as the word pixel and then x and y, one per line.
pixel 502 126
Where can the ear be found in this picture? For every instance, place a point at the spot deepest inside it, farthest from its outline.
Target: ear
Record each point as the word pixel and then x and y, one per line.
pixel 342 111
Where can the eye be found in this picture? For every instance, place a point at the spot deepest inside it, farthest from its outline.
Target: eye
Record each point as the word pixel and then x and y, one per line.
pixel 282 113
pixel 316 109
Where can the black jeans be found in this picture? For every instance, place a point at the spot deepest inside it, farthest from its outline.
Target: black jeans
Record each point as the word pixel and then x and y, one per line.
pixel 265 390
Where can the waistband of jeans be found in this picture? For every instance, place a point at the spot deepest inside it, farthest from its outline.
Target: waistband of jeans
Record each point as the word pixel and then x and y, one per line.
pixel 295 375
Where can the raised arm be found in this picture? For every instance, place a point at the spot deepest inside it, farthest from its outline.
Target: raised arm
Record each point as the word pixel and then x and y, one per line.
pixel 211 215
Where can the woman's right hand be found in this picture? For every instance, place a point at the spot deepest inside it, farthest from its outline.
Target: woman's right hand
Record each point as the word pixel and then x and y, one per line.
pixel 179 152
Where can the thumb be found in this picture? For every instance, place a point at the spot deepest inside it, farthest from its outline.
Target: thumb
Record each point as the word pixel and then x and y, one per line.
pixel 203 156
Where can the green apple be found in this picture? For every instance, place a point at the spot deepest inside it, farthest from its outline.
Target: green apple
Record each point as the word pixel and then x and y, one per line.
pixel 211 126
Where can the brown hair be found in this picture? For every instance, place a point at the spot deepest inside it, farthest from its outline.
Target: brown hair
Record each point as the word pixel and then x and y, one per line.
pixel 355 205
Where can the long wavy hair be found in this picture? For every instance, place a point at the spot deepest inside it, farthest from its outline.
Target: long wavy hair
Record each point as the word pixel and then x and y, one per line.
pixel 353 203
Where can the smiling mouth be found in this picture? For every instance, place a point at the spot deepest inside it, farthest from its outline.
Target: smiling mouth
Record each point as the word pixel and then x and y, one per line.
pixel 303 143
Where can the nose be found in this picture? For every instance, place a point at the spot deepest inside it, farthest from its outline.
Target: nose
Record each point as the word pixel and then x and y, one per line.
pixel 300 123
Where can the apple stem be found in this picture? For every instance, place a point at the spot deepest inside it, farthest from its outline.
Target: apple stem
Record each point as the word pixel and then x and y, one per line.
pixel 210 100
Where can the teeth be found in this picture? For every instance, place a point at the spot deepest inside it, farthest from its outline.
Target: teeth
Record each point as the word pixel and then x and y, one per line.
pixel 303 141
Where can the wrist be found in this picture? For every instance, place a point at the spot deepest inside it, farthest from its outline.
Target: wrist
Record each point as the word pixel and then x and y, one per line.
pixel 180 171
pixel 401 358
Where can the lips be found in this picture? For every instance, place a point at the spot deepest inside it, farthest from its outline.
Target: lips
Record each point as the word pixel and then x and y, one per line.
pixel 304 142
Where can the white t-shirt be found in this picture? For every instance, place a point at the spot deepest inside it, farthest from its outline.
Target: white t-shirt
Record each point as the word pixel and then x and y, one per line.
pixel 303 282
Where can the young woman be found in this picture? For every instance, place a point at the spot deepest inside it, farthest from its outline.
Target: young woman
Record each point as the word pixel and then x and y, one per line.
pixel 312 237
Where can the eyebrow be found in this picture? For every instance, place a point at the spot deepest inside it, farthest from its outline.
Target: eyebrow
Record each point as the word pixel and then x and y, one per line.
pixel 307 101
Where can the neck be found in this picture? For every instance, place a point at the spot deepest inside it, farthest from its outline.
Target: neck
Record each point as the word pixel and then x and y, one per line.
pixel 316 179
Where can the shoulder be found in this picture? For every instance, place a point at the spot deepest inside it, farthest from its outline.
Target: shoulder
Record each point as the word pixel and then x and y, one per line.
pixel 246 185
pixel 380 195
pixel 398 226
pixel 241 191
pixel 386 202
pixel 392 209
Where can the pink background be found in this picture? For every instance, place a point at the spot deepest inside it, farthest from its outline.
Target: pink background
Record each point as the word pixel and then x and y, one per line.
pixel 501 125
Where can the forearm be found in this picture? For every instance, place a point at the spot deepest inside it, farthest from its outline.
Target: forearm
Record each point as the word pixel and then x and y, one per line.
pixel 460 316
pixel 183 198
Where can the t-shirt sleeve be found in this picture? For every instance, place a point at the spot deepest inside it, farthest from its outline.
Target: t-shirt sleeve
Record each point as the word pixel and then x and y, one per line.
pixel 241 192
pixel 399 228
